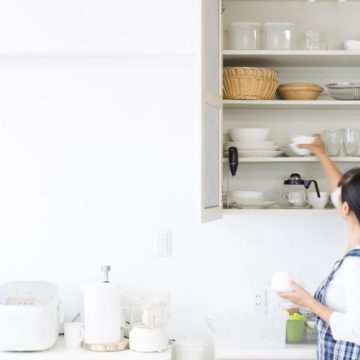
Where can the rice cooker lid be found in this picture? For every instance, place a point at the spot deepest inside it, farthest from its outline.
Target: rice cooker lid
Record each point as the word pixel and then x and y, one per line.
pixel 27 293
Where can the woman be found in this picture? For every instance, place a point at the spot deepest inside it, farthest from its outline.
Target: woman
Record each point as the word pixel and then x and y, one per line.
pixel 337 301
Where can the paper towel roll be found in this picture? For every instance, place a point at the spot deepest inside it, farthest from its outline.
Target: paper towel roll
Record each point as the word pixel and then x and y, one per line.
pixel 102 313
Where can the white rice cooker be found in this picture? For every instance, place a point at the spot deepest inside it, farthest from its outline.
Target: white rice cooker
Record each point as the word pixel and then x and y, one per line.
pixel 29 316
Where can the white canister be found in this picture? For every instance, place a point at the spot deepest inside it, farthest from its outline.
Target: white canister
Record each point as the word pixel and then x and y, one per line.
pixel 244 36
pixel 189 350
pixel 102 313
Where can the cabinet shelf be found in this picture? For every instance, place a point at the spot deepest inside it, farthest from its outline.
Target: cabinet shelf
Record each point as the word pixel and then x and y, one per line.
pixel 280 211
pixel 281 159
pixel 295 58
pixel 291 104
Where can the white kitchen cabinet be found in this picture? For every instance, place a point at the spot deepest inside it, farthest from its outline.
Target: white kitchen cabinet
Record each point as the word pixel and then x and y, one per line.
pixel 286 118
pixel 211 111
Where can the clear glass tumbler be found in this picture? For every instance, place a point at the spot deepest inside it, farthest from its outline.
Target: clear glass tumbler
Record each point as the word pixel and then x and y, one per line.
pixel 314 40
pixel 333 141
pixel 351 141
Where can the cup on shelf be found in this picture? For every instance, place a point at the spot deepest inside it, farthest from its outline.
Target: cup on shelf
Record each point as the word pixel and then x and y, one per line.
pixel 351 141
pixel 333 141
pixel 317 202
pixel 314 40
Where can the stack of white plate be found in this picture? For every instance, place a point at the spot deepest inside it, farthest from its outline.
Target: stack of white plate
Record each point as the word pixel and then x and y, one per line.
pixel 251 142
pixel 258 149
pixel 248 199
pixel 351 44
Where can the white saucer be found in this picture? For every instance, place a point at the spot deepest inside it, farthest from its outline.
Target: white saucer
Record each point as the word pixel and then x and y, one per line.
pixel 252 204
pixel 255 154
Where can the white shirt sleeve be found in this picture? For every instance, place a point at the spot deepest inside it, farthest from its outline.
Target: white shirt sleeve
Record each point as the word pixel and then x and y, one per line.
pixel 346 325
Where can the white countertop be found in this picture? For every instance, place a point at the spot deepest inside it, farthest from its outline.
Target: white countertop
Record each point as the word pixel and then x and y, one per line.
pixel 290 352
pixel 59 352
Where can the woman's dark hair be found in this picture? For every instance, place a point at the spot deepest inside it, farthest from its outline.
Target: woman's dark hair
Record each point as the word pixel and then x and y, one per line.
pixel 350 190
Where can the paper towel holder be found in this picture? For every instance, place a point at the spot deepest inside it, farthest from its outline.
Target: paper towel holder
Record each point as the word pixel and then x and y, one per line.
pixel 105 269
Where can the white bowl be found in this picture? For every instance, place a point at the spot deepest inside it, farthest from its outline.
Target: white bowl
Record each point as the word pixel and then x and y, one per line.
pixel 249 135
pixel 301 139
pixel 336 197
pixel 318 202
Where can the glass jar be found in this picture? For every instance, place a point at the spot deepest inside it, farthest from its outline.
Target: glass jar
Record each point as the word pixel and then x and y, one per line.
pixel 314 40
pixel 278 36
pixel 244 36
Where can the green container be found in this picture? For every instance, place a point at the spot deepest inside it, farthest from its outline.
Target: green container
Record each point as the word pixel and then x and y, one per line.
pixel 295 330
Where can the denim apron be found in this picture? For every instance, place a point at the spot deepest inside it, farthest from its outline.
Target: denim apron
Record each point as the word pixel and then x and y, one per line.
pixel 327 347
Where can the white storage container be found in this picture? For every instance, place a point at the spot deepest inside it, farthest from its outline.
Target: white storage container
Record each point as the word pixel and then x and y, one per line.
pixel 244 36
pixel 278 36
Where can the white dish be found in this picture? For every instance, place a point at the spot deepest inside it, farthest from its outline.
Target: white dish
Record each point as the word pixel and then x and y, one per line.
pixel 255 143
pixel 252 204
pixel 249 135
pixel 247 195
pixel 255 154
pixel 317 202
pixel 288 151
pixel 298 151
pixel 252 148
pixel 301 139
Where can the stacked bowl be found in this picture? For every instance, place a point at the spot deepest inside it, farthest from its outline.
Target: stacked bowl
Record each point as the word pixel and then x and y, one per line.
pixel 251 142
pixel 249 83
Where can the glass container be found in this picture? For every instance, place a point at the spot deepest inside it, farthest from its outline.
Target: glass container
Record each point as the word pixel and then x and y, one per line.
pixel 278 36
pixel 149 312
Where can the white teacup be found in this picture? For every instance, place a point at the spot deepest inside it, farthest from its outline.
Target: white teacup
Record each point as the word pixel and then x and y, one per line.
pixel 317 202
pixel 280 280
pixel 73 334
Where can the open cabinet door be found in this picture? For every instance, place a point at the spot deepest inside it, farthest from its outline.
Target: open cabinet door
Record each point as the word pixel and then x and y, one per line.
pixel 211 111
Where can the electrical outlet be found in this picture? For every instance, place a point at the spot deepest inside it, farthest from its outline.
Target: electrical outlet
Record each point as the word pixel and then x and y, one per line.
pixel 259 300
pixel 164 243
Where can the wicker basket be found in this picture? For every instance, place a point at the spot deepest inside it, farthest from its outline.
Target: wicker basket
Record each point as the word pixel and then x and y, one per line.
pixel 257 72
pixel 245 83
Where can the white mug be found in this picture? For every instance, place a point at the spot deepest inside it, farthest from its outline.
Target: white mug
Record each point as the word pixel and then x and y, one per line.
pixel 280 280
pixel 73 334
pixel 317 202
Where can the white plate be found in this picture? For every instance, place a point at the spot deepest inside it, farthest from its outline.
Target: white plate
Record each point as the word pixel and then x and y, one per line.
pixel 252 204
pixel 250 144
pixel 255 154
pixel 252 148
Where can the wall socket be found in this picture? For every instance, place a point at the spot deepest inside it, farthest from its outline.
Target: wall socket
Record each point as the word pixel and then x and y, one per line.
pixel 164 243
pixel 259 300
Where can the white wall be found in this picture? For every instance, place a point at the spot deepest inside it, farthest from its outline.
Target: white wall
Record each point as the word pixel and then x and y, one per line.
pixel 98 151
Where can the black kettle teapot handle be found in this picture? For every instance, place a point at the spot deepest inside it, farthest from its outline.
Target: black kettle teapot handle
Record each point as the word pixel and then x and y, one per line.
pixel 307 184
